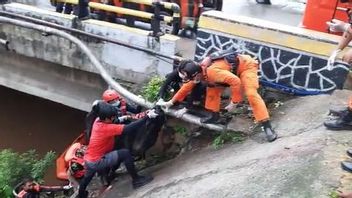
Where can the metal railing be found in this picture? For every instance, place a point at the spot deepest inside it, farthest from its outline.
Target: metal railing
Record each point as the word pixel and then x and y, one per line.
pixel 155 17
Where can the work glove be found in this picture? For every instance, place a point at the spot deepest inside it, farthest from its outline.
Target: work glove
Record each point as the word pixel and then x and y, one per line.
pixel 337 26
pixel 160 101
pixel 123 118
pixel 231 106
pixel 165 105
pixel 152 114
pixel 332 59
pixel 67 187
pixel 181 112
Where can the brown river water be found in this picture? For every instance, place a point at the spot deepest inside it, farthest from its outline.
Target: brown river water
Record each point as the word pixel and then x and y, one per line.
pixel 29 122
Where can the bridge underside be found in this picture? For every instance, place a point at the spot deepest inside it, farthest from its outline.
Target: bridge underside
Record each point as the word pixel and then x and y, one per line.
pixel 71 87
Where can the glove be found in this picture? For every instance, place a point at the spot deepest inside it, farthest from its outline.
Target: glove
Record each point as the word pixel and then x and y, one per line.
pixel 180 112
pixel 152 114
pixel 332 58
pixel 67 187
pixel 160 101
pixel 123 118
pixel 231 106
pixel 337 26
pixel 165 105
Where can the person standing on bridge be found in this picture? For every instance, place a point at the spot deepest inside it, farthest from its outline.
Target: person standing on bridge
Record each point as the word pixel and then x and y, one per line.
pixel 219 70
pixel 100 154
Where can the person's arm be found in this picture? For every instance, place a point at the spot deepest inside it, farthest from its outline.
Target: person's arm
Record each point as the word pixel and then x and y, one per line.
pixel 183 92
pixel 133 126
pixel 171 77
pixel 133 109
pixel 345 39
pixel 51 188
pixel 72 179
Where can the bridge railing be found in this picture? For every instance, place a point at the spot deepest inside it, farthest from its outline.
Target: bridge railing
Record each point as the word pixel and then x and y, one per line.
pixel 155 17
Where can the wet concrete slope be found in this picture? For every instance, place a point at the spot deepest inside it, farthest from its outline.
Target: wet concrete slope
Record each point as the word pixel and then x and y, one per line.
pixel 303 162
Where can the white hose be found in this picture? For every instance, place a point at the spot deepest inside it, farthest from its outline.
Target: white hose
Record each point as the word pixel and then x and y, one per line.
pixel 110 81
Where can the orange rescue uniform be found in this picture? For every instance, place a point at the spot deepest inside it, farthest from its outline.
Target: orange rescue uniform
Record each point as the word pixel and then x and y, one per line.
pixel 219 73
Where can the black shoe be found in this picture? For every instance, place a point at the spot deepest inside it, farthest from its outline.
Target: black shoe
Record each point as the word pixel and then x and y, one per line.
pixel 211 117
pixel 349 152
pixel 338 124
pixel 271 135
pixel 347 166
pixel 141 181
pixel 338 111
pixel 263 2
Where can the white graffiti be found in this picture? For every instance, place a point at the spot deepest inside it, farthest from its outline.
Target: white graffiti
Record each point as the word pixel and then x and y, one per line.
pixel 279 65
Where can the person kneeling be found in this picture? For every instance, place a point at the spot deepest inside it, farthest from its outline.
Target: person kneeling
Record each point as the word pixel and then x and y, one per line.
pixel 100 154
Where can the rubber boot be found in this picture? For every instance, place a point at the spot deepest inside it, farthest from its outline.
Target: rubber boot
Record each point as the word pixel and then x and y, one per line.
pixel 141 181
pixel 269 131
pixel 341 123
pixel 211 117
pixel 347 166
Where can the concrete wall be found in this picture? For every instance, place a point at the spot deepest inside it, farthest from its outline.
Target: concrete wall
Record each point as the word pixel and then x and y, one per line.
pixel 122 63
pixel 289 56
pixel 54 68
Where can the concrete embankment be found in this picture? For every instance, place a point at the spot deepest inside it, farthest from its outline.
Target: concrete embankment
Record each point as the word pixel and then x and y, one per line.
pixel 303 162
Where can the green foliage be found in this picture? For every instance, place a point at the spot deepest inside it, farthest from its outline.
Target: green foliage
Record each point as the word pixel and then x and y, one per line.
pixel 180 130
pixel 151 90
pixel 333 194
pixel 14 167
pixel 225 137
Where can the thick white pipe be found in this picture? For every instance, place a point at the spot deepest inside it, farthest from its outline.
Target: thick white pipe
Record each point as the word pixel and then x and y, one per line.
pixel 110 81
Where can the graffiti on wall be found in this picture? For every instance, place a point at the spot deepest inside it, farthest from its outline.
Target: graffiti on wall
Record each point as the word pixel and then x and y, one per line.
pixel 278 65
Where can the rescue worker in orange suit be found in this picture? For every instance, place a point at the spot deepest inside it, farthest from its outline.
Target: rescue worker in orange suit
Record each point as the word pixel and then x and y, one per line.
pixel 344 117
pixel 32 189
pixel 100 154
pixel 226 68
pixel 174 82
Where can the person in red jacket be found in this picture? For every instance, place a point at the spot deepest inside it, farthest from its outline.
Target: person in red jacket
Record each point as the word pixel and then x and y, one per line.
pixel 126 112
pixel 221 69
pixel 100 154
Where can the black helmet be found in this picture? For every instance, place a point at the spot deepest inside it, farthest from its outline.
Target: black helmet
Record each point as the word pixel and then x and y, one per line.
pixel 189 68
pixel 106 110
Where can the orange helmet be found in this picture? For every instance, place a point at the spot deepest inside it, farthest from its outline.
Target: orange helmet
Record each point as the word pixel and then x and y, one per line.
pixel 110 95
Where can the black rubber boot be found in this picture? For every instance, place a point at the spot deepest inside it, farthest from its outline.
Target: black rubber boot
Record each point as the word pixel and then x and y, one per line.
pixel 344 122
pixel 141 181
pixel 349 152
pixel 211 117
pixel 263 2
pixel 269 131
pixel 347 166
